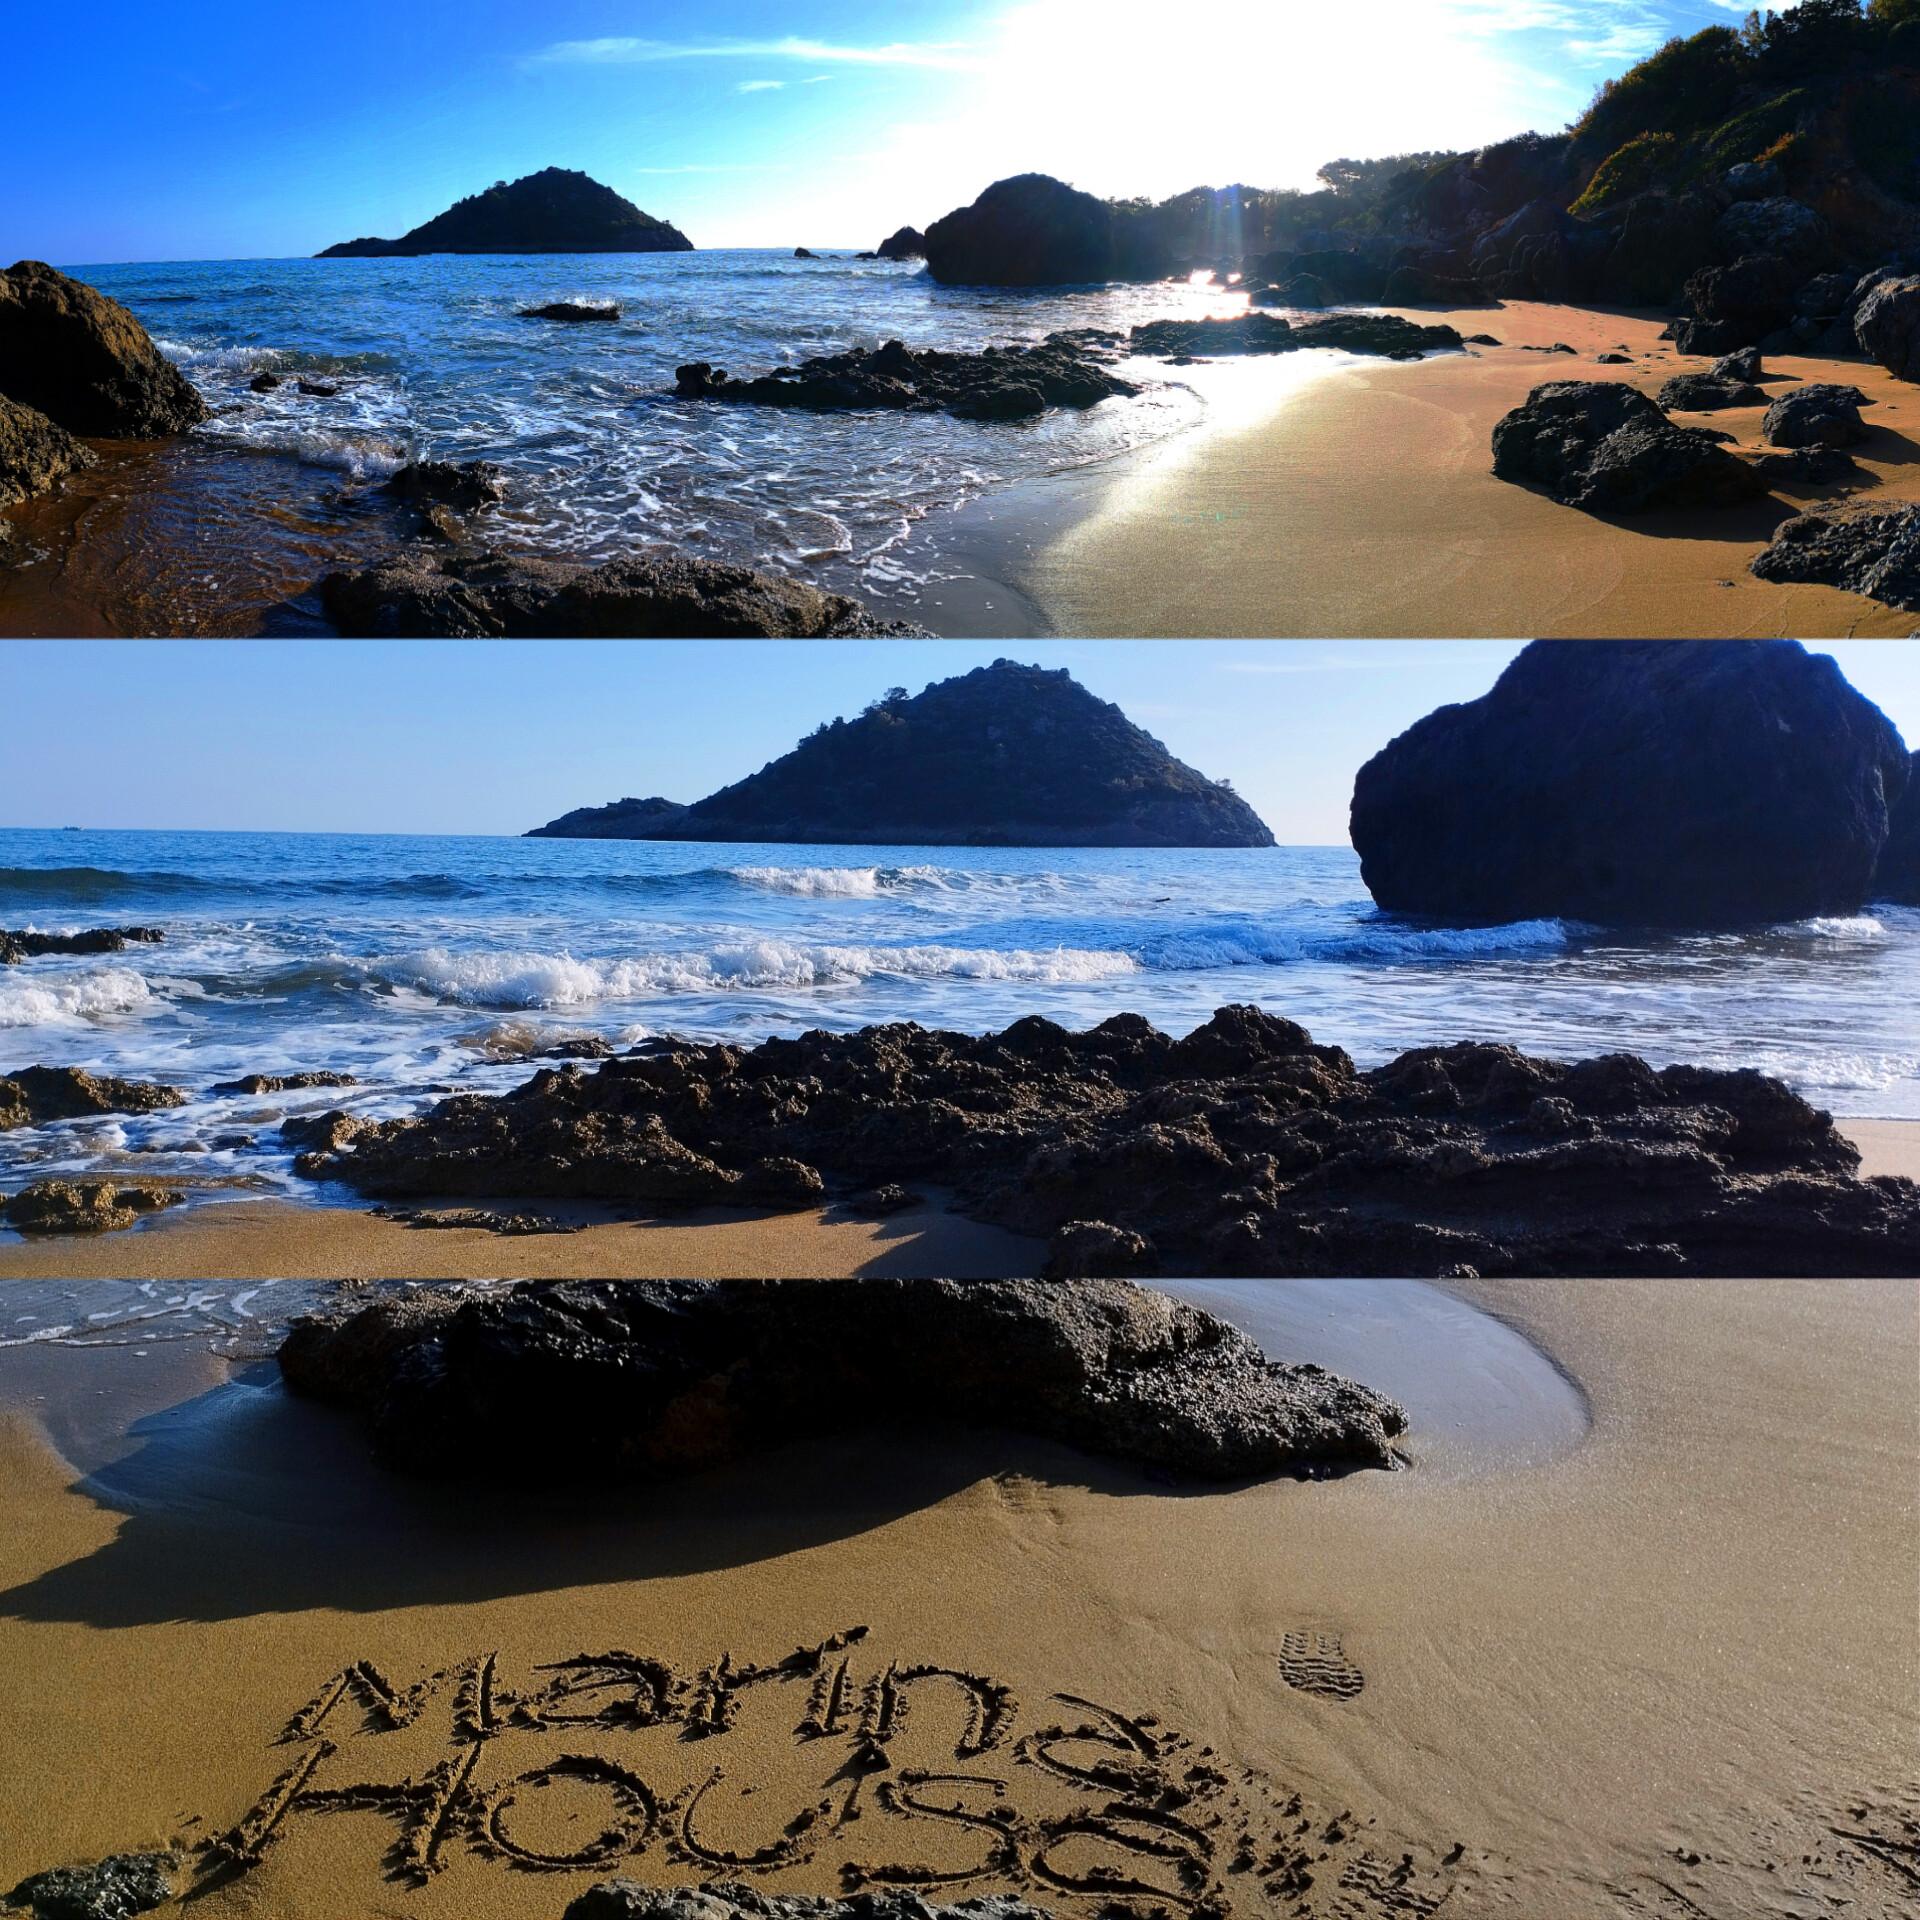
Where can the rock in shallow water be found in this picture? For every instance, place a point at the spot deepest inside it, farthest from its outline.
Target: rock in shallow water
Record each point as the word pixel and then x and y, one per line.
pixel 18 944
pixel 83 1206
pixel 1241 1149
pixel 645 1379
pixel 1667 783
pixel 35 1096
pixel 35 455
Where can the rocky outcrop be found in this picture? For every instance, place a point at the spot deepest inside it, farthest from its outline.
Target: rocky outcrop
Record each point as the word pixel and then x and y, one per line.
pixel 646 1380
pixel 1029 231
pixel 1887 326
pixel 573 312
pixel 1737 305
pixel 905 243
pixel 1898 878
pixel 554 211
pixel 1817 415
pixel 83 1206
pixel 629 819
pixel 1663 783
pixel 1869 550
pixel 38 1096
pixel 1002 383
pixel 477 593
pixel 35 455
pixel 85 362
pixel 469 485
pixel 259 1083
pixel 1007 755
pixel 1383 334
pixel 111 1889
pixel 1243 1148
pixel 1603 446
pixel 18 944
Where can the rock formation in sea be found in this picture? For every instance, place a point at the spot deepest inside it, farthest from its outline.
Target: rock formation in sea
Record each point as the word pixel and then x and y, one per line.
pixel 1691 783
pixel 628 819
pixel 85 362
pixel 1007 755
pixel 651 1379
pixel 1898 878
pixel 478 593
pixel 904 243
pixel 1242 1148
pixel 555 210
pixel 36 1096
pixel 83 1206
pixel 1858 547
pixel 19 944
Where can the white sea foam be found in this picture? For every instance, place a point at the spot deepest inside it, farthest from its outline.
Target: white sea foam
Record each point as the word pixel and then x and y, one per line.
pixel 56 1000
pixel 1846 927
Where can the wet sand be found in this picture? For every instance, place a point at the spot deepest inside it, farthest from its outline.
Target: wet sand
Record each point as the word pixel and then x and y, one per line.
pixel 1665 1670
pixel 1364 505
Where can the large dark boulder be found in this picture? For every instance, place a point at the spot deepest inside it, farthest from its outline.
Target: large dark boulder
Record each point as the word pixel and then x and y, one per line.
pixel 1738 305
pixel 1664 783
pixel 1531 255
pixel 1709 393
pixel 1347 274
pixel 1603 446
pixel 557 210
pixel 477 593
pixel 1788 229
pixel 84 361
pixel 1383 334
pixel 35 455
pixel 1029 231
pixel 1869 550
pixel 1887 325
pixel 648 1379
pixel 1899 876
pixel 38 1096
pixel 908 243
pixel 1661 240
pixel 1819 414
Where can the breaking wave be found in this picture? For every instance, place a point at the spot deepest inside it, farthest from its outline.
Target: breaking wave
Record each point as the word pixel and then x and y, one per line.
pixel 72 1001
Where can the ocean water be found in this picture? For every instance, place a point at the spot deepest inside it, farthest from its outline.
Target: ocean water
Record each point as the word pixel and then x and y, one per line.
pixel 431 360
pixel 429 965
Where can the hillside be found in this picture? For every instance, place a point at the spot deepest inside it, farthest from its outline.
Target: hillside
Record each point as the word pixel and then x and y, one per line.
pixel 627 819
pixel 1007 755
pixel 554 211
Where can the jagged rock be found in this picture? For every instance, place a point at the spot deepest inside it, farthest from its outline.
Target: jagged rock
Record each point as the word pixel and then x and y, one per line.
pixel 467 486
pixel 85 362
pixel 555 210
pixel 1737 305
pixel 628 819
pixel 265 383
pixel 38 1096
pixel 17 944
pixel 1094 1250
pixel 1598 781
pixel 1887 326
pixel 1703 393
pixel 1825 296
pixel 1603 446
pixel 574 311
pixel 1817 415
pixel 83 1206
pixel 651 1379
pixel 1003 383
pixel 1373 333
pixel 628 1900
pixel 318 389
pixel 1745 368
pixel 1787 229
pixel 35 455
pixel 1007 755
pixel 258 1083
pixel 1243 1148
pixel 1867 550
pixel 478 593
pixel 1898 877
pixel 905 243
pixel 116 1888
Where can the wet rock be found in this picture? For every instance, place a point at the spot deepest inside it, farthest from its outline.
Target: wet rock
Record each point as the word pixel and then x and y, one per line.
pixel 574 312
pixel 904 243
pixel 1887 326
pixel 470 485
pixel 1593 783
pixel 16 944
pixel 85 362
pixel 509 1226
pixel 1383 334
pixel 1243 1148
pixel 35 455
pixel 642 1380
pixel 477 593
pixel 259 1083
pixel 1003 383
pixel 265 383
pixel 38 1096
pixel 1703 393
pixel 1603 446
pixel 319 389
pixel 1096 1250
pixel 112 1889
pixel 628 1900
pixel 83 1206
pixel 1818 415
pixel 1873 551
pixel 1899 875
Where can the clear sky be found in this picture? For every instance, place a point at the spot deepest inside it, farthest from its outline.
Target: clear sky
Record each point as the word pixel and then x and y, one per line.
pixel 214 129
pixel 495 737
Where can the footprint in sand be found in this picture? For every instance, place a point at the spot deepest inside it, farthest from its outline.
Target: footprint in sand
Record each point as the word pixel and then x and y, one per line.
pixel 1318 1663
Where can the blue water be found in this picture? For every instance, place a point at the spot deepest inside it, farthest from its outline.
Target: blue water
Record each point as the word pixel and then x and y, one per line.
pixel 432 360
pixel 425 965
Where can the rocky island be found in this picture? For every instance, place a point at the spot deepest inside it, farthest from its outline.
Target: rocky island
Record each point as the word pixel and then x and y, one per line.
pixel 1007 755
pixel 556 210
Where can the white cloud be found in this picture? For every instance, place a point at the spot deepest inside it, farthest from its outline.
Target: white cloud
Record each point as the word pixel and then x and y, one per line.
pixel 625 51
pixel 759 86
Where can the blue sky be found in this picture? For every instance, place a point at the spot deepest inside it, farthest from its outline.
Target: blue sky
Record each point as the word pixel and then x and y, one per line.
pixel 434 737
pixel 212 129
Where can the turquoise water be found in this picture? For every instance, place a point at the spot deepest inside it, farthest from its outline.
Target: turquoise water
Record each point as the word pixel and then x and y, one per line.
pixel 425 965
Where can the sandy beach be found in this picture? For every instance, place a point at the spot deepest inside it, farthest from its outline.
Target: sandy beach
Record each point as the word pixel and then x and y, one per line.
pixel 1364 504
pixel 1665 1667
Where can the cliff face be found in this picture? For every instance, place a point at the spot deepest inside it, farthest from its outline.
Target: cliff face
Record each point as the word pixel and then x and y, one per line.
pixel 554 211
pixel 1007 755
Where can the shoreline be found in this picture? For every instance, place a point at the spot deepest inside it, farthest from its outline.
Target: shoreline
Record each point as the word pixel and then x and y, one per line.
pixel 1462 1668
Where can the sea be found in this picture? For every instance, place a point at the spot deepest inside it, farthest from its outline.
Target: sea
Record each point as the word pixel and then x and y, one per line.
pixel 429 965
pixel 431 360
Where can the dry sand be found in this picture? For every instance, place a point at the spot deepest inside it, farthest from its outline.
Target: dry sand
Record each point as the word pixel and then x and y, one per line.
pixel 1364 504
pixel 1666 1672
